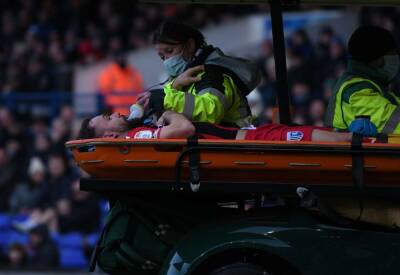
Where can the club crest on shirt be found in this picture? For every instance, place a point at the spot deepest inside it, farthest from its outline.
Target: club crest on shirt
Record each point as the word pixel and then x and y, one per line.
pixel 144 134
pixel 294 136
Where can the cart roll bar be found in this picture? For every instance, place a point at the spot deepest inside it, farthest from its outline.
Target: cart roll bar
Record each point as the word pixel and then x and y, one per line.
pixel 280 62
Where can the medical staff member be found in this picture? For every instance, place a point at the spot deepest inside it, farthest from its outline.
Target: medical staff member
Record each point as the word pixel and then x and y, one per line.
pixel 362 91
pixel 205 85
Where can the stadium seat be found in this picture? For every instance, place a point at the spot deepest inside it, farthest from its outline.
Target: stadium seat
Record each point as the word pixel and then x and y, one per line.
pixel 17 237
pixel 19 218
pixel 71 240
pixel 92 239
pixel 8 237
pixel 72 258
pixel 5 221
pixel 4 236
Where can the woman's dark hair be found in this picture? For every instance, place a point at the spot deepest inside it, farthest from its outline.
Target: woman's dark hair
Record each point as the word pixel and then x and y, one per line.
pixel 86 130
pixel 175 33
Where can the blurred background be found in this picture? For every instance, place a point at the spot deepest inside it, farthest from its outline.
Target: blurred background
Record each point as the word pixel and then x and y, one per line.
pixel 61 61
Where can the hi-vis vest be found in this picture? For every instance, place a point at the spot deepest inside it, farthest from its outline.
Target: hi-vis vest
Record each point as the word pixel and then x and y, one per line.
pixel 120 87
pixel 209 104
pixel 220 95
pixel 358 96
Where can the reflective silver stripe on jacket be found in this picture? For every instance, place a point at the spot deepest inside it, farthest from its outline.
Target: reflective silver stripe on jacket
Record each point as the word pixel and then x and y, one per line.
pixel 188 108
pixel 218 94
pixel 392 123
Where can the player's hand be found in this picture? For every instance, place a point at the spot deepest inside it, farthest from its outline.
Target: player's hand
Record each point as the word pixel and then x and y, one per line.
pixel 161 121
pixel 187 77
pixel 165 118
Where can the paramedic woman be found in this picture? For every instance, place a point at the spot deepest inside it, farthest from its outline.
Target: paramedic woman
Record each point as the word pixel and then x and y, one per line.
pixel 205 84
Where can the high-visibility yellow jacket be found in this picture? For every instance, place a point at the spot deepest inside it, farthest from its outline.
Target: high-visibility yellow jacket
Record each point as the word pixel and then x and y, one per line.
pixel 362 91
pixel 219 97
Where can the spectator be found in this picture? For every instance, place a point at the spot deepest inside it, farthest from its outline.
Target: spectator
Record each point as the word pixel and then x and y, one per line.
pixel 44 251
pixel 59 134
pixel 17 256
pixel 268 87
pixel 8 169
pixel 37 78
pixel 8 126
pixel 54 195
pixel 26 196
pixel 299 44
pixel 81 213
pixel 316 112
pixel 301 96
pixel 59 184
pixel 120 77
pixel 41 146
pixel 325 37
pixel 67 114
pixel 60 70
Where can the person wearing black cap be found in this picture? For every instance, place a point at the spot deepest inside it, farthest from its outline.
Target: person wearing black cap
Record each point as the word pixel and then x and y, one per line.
pixel 362 90
pixel 205 84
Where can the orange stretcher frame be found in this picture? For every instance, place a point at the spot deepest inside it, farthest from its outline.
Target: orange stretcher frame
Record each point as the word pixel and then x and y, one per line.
pixel 237 162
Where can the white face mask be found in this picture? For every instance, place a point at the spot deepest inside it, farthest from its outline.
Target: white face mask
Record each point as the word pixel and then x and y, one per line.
pixel 175 65
pixel 391 65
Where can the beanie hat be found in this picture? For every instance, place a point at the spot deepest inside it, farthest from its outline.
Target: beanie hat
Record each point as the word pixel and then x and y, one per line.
pixel 35 165
pixel 368 43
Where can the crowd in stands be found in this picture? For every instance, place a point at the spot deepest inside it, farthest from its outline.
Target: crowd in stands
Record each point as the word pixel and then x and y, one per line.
pixel 312 71
pixel 313 68
pixel 41 40
pixel 41 206
pixel 40 200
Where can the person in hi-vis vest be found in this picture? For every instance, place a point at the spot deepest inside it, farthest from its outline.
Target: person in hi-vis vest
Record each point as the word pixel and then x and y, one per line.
pixel 205 85
pixel 362 90
pixel 120 84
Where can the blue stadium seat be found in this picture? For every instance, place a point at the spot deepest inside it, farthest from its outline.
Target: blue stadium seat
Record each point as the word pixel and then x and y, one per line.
pixel 4 236
pixel 72 258
pixel 92 239
pixel 19 218
pixel 8 237
pixel 18 237
pixel 5 221
pixel 70 240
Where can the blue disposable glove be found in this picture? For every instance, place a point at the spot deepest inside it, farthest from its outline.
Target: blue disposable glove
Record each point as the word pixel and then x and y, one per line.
pixel 364 127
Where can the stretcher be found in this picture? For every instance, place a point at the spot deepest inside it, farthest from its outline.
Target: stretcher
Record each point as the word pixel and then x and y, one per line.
pixel 236 165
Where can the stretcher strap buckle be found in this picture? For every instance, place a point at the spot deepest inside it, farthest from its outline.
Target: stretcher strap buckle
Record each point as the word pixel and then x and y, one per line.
pixel 194 165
